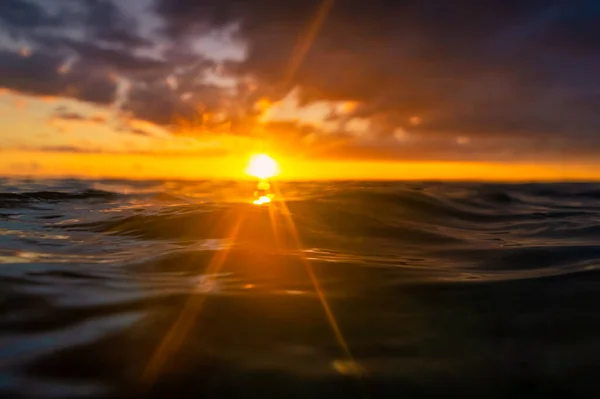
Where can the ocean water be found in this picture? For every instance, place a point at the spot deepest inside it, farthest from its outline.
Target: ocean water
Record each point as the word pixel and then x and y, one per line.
pixel 175 289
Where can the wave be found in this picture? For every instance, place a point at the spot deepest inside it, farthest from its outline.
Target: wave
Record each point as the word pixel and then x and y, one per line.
pixel 471 226
pixel 477 287
pixel 11 200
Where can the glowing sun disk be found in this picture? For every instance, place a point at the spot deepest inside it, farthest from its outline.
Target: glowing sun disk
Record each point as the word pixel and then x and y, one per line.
pixel 262 166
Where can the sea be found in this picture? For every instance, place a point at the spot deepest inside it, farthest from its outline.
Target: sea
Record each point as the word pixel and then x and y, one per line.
pixel 349 289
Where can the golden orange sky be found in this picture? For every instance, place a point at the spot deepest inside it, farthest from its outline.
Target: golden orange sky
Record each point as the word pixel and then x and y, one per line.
pixel 52 147
pixel 331 95
pixel 48 164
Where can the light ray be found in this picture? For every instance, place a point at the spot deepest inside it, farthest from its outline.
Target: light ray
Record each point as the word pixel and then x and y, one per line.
pixel 275 226
pixel 193 306
pixel 339 336
pixel 306 41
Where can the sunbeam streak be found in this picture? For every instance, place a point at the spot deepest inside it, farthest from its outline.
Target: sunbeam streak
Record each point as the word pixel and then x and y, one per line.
pixel 193 306
pixel 339 336
pixel 306 41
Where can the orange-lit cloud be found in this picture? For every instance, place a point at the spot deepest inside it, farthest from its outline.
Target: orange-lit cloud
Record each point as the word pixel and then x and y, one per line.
pixel 389 81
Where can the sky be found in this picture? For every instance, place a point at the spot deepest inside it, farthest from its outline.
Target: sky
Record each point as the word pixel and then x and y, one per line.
pixel 373 89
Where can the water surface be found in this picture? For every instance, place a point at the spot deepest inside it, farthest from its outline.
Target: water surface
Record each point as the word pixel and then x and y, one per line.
pixel 347 289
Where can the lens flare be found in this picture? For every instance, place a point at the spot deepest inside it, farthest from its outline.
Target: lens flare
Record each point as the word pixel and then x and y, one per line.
pixel 262 166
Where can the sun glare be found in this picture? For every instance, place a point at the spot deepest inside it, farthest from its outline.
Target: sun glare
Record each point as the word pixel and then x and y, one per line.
pixel 262 200
pixel 262 166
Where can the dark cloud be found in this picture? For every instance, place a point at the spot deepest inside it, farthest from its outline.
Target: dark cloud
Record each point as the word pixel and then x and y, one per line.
pixel 140 132
pixel 159 104
pixel 87 47
pixel 105 21
pixel 55 64
pixel 512 76
pixel 183 96
pixel 71 116
pixel 119 61
pixel 39 74
pixel 134 130
pixel 24 14
pixel 94 19
pixel 496 67
pixel 64 114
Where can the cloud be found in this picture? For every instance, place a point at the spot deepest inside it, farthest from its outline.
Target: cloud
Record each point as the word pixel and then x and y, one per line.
pixel 23 14
pixel 457 79
pixel 85 50
pixel 64 148
pixel 135 130
pixel 166 153
pixel 118 60
pixel 38 74
pixel 93 20
pixel 140 132
pixel 497 66
pixel 64 114
pixel 107 22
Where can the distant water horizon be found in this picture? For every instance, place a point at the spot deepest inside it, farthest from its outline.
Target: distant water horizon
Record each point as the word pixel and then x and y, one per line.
pixel 250 179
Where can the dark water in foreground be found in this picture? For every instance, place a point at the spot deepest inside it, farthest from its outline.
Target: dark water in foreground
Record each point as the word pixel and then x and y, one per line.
pixel 177 290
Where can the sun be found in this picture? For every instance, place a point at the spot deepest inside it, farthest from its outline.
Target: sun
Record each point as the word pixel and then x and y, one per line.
pixel 262 166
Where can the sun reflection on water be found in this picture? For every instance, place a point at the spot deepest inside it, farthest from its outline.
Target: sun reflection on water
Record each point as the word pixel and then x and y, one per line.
pixel 262 200
pixel 280 237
